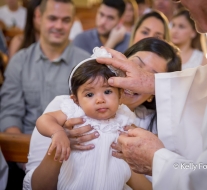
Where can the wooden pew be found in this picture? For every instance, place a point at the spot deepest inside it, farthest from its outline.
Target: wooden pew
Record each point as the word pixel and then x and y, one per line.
pixel 10 33
pixel 87 16
pixel 15 147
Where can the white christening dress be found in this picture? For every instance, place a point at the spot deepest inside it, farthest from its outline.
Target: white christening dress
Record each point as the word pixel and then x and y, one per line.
pixel 96 169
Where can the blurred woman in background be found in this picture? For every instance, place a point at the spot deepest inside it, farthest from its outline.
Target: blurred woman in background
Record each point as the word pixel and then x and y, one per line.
pixel 130 15
pixel 187 39
pixel 152 24
pixel 144 6
pixel 31 30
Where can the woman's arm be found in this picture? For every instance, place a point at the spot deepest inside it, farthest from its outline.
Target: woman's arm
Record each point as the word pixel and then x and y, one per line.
pixel 204 62
pixel 15 45
pixel 46 174
pixel 139 182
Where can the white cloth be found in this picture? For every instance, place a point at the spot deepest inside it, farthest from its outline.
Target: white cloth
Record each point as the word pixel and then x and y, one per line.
pixel 13 18
pixel 195 60
pixel 96 169
pixel 40 144
pixel 75 29
pixel 144 118
pixel 181 99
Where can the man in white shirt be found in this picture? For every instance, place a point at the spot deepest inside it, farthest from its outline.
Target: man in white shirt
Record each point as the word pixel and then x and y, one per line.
pixel 13 15
pixel 179 161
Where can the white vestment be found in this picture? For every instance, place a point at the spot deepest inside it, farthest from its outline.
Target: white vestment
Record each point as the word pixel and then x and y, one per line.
pixel 182 126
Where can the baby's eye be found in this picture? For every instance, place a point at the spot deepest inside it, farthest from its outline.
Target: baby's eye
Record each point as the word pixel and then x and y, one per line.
pixel 89 95
pixel 107 91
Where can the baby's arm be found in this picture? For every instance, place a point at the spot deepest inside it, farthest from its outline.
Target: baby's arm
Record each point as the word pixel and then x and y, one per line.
pixel 50 125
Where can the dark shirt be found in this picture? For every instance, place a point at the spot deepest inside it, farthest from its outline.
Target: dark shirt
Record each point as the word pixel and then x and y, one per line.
pixel 3 47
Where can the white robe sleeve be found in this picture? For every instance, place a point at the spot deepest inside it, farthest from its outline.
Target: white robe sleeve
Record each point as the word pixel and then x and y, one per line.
pixel 172 171
pixel 39 145
pixel 181 102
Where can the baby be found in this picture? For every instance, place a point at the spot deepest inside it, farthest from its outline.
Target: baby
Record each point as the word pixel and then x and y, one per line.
pixel 99 104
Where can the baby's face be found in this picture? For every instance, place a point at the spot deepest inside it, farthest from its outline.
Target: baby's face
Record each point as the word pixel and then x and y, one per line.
pixel 97 99
pixel 151 62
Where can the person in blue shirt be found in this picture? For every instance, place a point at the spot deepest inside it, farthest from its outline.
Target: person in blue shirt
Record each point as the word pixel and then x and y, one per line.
pixel 108 32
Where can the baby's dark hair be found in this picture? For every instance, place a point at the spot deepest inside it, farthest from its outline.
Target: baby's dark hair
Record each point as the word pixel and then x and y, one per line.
pixel 89 71
pixel 162 49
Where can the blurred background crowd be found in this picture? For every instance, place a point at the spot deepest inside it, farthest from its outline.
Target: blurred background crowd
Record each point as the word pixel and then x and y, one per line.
pixel 19 26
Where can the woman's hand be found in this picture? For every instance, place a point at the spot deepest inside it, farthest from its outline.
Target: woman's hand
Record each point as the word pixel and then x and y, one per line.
pixel 79 136
pixel 117 152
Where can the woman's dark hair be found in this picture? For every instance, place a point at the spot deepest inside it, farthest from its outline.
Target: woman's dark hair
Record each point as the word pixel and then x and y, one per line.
pixel 162 49
pixel 1 68
pixel 29 29
pixel 89 71
pixel 196 41
pixel 156 14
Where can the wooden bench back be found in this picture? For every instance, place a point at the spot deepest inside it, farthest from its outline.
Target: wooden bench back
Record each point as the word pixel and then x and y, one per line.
pixel 87 16
pixel 15 147
pixel 10 33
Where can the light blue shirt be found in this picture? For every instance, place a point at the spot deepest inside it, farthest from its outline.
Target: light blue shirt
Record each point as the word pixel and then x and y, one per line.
pixel 31 83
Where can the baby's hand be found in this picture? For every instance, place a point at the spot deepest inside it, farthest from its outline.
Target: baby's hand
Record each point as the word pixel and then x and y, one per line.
pixel 61 142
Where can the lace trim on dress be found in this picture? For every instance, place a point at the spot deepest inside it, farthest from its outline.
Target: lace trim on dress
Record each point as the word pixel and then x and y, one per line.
pixel 123 116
